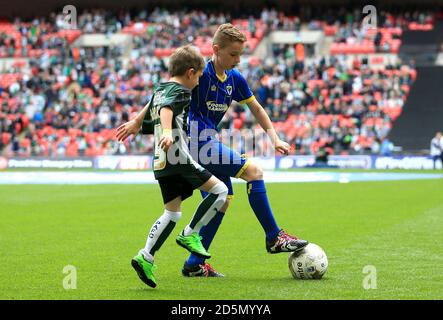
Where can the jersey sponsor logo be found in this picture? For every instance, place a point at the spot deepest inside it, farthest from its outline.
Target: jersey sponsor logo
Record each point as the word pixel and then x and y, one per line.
pixel 213 106
pixel 229 90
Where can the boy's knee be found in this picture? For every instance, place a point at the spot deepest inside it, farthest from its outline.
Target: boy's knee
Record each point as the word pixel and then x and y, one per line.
pixel 221 190
pixel 253 172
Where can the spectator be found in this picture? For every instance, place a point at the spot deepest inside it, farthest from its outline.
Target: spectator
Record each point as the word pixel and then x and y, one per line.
pixel 437 149
pixel 377 40
pixel 386 147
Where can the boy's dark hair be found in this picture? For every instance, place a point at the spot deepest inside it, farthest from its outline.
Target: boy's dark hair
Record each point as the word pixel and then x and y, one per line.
pixel 183 59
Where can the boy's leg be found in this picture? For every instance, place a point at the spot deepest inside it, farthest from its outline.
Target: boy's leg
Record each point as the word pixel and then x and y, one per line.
pixel 276 239
pixel 160 231
pixel 231 163
pixel 143 262
pixel 189 238
pixel 258 200
pixel 195 265
pixel 215 154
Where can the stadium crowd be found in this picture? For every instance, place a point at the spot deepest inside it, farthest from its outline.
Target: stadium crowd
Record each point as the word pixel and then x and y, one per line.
pixel 66 101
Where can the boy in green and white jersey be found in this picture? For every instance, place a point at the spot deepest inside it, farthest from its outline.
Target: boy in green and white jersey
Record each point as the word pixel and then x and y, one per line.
pixel 177 173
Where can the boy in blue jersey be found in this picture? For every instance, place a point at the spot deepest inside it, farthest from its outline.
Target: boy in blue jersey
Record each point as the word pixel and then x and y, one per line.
pixel 219 85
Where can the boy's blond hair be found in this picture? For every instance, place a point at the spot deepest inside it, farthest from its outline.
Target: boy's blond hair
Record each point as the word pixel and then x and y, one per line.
pixel 183 59
pixel 226 34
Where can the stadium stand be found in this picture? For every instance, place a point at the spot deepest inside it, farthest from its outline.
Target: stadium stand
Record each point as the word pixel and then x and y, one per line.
pixel 58 99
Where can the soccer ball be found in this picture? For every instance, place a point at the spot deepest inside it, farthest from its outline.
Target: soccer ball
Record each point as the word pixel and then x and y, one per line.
pixel 309 263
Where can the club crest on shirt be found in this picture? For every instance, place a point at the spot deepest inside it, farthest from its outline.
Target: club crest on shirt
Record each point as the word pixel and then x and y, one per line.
pixel 229 90
pixel 214 88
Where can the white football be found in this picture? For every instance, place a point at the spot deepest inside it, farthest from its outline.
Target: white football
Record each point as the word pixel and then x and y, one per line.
pixel 309 263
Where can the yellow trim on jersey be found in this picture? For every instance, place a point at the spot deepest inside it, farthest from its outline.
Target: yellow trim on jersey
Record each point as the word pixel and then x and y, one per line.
pixel 221 79
pixel 245 166
pixel 250 99
pixel 230 197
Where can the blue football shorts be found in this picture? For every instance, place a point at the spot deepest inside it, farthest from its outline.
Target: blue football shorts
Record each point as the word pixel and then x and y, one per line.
pixel 221 161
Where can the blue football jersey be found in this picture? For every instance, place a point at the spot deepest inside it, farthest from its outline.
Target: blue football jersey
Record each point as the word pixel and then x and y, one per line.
pixel 213 96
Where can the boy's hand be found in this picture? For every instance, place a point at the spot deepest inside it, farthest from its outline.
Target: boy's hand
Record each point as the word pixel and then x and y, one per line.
pixel 128 128
pixel 282 147
pixel 166 140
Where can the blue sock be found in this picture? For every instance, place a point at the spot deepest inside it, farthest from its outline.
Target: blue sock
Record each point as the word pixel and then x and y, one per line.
pixel 207 232
pixel 259 203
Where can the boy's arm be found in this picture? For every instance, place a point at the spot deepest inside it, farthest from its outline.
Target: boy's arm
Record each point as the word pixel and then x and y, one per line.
pixel 131 127
pixel 264 121
pixel 166 139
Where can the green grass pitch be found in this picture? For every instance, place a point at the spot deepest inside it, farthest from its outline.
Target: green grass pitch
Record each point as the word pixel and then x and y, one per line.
pixel 394 226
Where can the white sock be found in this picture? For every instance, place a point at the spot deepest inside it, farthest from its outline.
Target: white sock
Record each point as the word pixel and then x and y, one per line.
pixel 187 231
pixel 220 191
pixel 160 231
